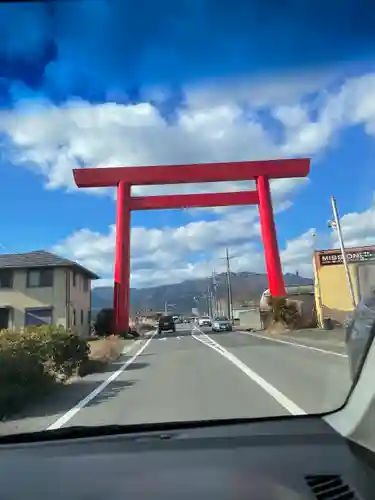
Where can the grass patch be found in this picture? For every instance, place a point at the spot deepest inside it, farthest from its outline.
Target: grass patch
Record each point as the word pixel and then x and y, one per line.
pixel 146 327
pixel 102 352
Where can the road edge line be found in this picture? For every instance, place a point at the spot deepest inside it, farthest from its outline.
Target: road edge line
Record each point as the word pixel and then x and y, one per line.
pixel 294 344
pixel 277 395
pixel 84 402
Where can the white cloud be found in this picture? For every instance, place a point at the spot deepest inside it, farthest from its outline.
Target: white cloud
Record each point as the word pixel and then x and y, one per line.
pixel 358 228
pixel 214 125
pixel 352 104
pixel 297 255
pixel 167 255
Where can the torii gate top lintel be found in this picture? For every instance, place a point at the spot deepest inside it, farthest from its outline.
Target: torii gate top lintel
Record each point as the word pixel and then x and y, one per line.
pixel 192 173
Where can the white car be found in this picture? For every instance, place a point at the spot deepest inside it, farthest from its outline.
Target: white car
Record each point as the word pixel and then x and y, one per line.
pixel 204 321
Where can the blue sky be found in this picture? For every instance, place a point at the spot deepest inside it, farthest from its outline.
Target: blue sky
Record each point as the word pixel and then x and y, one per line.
pixel 87 83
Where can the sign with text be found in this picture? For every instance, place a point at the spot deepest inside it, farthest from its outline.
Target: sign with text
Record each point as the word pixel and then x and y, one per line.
pixel 331 259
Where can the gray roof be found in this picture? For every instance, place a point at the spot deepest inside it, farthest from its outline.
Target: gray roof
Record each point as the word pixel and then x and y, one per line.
pixel 41 258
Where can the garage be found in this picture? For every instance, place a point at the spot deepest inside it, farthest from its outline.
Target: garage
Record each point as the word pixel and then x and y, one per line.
pixel 38 316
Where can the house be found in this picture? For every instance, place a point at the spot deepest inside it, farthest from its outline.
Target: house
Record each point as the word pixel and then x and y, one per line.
pixel 42 288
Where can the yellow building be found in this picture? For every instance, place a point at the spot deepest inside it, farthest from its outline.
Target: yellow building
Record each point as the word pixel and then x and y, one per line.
pixel 332 295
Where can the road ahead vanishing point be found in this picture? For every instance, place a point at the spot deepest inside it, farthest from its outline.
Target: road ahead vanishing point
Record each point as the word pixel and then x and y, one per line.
pixel 198 375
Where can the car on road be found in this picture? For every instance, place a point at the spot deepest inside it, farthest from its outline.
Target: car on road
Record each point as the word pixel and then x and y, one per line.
pixel 360 332
pixel 204 321
pixel 166 323
pixel 222 324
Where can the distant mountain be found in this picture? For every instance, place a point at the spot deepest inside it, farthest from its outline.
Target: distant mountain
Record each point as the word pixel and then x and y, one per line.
pixel 246 287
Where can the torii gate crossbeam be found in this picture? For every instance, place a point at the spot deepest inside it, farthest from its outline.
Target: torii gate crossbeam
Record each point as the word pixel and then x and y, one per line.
pixel 126 177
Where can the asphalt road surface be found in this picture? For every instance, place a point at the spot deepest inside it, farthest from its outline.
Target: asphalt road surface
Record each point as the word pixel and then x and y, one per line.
pixel 196 375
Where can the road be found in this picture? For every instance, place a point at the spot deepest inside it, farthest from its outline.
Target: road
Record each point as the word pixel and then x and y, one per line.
pixel 197 375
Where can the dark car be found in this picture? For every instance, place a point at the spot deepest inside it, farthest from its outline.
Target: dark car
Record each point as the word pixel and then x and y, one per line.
pixel 166 323
pixel 360 332
pixel 222 323
pixel 104 324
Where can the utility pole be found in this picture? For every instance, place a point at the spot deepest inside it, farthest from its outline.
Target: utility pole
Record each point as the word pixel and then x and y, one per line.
pixel 209 301
pixel 336 225
pixel 229 283
pixel 214 296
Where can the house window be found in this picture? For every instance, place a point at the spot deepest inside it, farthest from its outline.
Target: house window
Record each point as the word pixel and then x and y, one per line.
pixel 6 278
pixel 74 278
pixel 81 316
pixel 37 278
pixel 38 316
pixel 74 317
pixel 86 284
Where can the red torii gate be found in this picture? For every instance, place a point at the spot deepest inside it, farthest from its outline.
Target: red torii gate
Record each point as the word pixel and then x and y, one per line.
pixel 125 177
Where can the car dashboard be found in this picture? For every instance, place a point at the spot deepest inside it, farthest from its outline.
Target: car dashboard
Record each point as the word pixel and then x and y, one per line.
pixel 280 459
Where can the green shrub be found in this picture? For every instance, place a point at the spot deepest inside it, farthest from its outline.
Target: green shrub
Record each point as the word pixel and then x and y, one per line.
pixel 32 360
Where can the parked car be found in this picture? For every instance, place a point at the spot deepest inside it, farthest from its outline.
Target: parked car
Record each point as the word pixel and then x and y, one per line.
pixel 204 321
pixel 166 323
pixel 360 332
pixel 222 324
pixel 103 325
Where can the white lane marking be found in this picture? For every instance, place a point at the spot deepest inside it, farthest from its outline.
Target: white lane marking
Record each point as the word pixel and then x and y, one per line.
pixel 149 333
pixel 295 344
pixel 81 404
pixel 128 348
pixel 278 396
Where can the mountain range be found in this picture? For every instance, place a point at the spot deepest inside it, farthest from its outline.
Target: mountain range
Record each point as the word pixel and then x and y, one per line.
pixel 246 288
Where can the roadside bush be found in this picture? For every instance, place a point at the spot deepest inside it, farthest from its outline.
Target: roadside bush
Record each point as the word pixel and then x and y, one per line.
pixel 33 360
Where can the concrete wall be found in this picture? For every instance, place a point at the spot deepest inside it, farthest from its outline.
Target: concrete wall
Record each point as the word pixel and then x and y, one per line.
pixel 249 319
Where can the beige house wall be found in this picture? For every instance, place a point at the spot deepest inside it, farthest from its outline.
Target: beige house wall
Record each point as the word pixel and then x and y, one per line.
pixel 79 309
pixel 20 297
pixel 68 301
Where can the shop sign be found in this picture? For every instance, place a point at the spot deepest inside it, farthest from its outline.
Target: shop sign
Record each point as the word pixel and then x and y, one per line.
pixel 331 259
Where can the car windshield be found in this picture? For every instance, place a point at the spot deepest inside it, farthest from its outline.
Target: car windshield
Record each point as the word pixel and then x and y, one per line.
pixel 166 166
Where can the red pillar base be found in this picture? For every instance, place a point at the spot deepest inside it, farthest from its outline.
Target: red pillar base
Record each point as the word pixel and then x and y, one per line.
pixel 271 249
